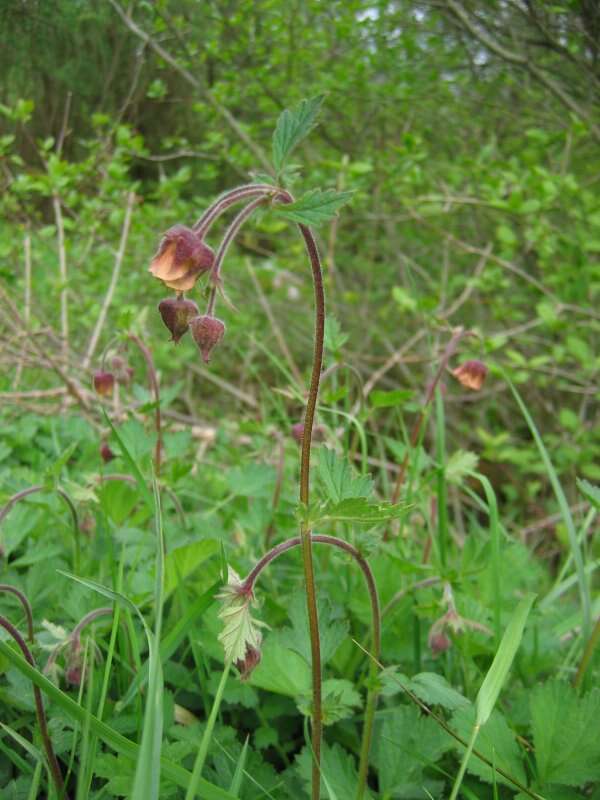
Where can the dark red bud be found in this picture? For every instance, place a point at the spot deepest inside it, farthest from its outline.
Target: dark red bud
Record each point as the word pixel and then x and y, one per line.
pixel 207 333
pixel 123 372
pixel 318 434
pixel 106 453
pixel 104 382
pixel 73 675
pixel 176 313
pixel 471 374
pixel 438 642
pixel 249 663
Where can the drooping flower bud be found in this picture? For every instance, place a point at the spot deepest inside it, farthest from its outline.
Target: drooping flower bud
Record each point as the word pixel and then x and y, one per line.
pixel 249 663
pixel 106 453
pixel 104 382
pixel 123 372
pixel 438 642
pixel 176 313
pixel 182 256
pixel 207 332
pixel 318 434
pixel 471 374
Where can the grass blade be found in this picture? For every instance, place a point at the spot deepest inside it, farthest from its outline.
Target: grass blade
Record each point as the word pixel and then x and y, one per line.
pixel 494 680
pixel 565 511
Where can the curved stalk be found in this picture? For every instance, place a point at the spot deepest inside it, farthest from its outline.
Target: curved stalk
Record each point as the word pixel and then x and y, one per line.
pixel 264 191
pixel 12 501
pixel 248 586
pixel 39 709
pixel 6 587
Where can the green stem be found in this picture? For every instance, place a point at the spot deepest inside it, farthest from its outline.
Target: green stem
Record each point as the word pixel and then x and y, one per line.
pixel 587 654
pixel 207 735
pixel 464 763
pixel 442 500
pixel 151 369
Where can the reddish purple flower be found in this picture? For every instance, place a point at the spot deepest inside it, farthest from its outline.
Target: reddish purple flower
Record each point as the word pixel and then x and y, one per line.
pixel 471 374
pixel 106 453
pixel 181 258
pixel 104 382
pixel 249 663
pixel 207 332
pixel 176 313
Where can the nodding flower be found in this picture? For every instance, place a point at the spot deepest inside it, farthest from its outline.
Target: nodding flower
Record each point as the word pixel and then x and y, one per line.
pixel 471 374
pixel 176 313
pixel 207 332
pixel 181 258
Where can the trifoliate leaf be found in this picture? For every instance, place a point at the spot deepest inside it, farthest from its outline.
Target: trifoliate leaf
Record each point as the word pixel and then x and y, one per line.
pixel 315 207
pixel 567 749
pixel 292 127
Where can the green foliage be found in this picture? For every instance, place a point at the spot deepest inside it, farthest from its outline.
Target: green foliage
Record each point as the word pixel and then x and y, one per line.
pixel 315 207
pixel 566 749
pixel 292 127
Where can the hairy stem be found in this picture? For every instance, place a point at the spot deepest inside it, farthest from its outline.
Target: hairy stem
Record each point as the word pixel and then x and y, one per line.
pixel 275 552
pixel 39 709
pixel 228 199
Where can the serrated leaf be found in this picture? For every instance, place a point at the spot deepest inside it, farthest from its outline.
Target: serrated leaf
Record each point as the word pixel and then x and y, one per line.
pixel 339 481
pixel 589 491
pixel 567 751
pixel 315 207
pixel 339 701
pixel 240 630
pixel 355 509
pixel 495 741
pixel 337 768
pixel 333 629
pixel 430 687
pixel 292 126
pixel 405 743
pixel 459 465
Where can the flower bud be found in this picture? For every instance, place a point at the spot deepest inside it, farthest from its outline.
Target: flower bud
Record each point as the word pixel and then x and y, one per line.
pixel 181 258
pixel 176 313
pixel 104 382
pixel 123 372
pixel 106 454
pixel 318 434
pixel 249 663
pixel 471 374
pixel 438 642
pixel 207 333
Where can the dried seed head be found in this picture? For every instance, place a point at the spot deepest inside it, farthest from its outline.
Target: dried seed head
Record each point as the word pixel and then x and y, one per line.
pixel 181 258
pixel 471 374
pixel 207 332
pixel 318 434
pixel 106 453
pixel 176 313
pixel 104 382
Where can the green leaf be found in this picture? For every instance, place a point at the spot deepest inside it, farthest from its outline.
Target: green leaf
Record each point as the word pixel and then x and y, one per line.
pixel 339 480
pixel 397 397
pixel 567 748
pixel 292 127
pixel 315 207
pixel 333 629
pixel 589 491
pixel 355 509
pixel 338 770
pixel 459 465
pixel 339 701
pixel 430 687
pixel 496 741
pixel 405 744
pixel 182 561
pixel 494 680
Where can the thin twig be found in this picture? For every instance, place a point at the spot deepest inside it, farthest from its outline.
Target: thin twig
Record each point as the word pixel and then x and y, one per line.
pixel 62 261
pixel 113 282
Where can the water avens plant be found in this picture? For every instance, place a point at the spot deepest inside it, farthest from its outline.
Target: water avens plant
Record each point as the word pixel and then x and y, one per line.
pixel 182 258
